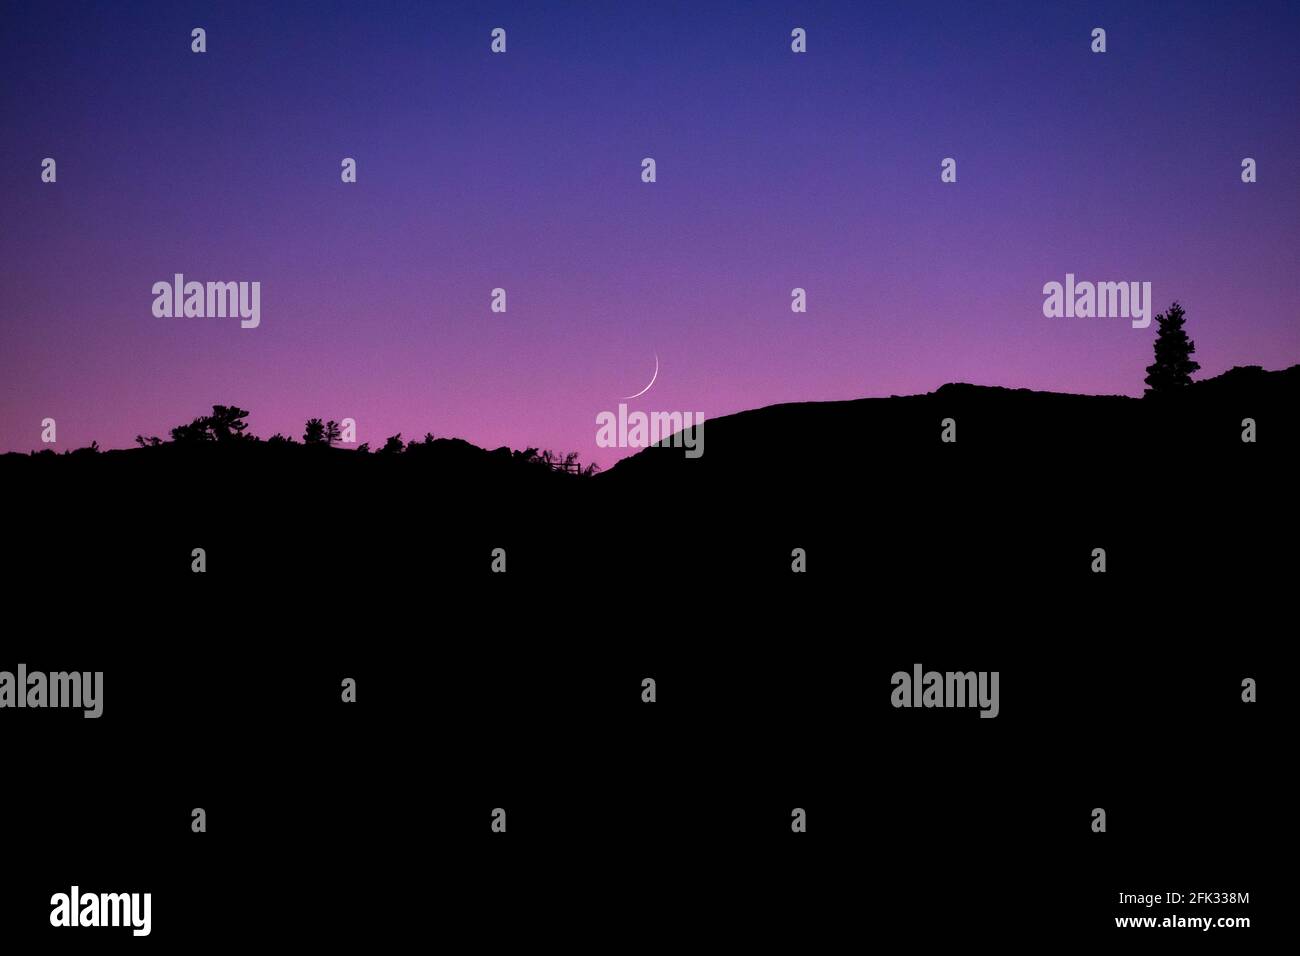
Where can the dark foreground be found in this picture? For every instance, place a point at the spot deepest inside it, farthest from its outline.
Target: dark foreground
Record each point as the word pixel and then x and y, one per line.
pixel 668 823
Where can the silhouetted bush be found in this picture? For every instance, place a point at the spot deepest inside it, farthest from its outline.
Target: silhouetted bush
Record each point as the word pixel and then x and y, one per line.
pixel 195 431
pixel 226 423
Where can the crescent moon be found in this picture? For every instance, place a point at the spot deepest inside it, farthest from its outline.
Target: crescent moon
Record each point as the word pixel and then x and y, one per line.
pixel 652 381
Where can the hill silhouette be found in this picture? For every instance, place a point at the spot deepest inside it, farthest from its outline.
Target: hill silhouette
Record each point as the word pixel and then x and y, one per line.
pixel 835 441
pixel 1033 481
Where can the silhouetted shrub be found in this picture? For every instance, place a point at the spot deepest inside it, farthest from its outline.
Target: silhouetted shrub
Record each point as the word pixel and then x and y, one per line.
pixel 226 423
pixel 195 431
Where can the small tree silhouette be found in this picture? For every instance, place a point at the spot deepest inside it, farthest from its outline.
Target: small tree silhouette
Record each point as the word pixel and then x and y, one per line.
pixel 315 433
pixel 392 446
pixel 195 431
pixel 332 433
pixel 1173 367
pixel 227 422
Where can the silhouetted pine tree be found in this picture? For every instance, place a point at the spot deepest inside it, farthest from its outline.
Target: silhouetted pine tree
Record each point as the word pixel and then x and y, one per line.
pixel 315 433
pixel 332 432
pixel 1173 366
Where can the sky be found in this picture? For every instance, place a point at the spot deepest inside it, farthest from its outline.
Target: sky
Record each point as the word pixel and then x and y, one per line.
pixel 522 171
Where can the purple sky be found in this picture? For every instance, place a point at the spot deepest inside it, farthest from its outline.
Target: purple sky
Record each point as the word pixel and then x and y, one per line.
pixel 775 170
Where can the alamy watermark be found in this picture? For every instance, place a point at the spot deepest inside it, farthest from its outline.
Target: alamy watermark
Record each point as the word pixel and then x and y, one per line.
pixel 1102 300
pixel 197 300
pixel 624 429
pixel 77 689
pixel 947 689
pixel 102 909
